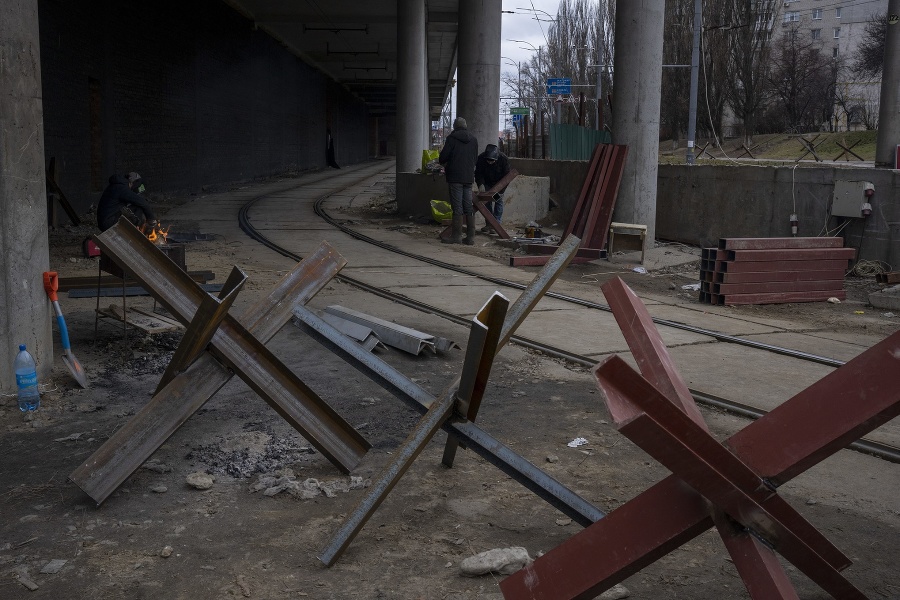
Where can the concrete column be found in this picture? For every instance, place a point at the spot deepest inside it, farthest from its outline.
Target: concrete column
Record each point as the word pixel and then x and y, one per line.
pixel 478 68
pixel 412 110
pixel 24 253
pixel 637 81
pixel 889 109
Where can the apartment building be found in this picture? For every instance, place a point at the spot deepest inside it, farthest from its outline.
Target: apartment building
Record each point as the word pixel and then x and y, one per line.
pixel 837 26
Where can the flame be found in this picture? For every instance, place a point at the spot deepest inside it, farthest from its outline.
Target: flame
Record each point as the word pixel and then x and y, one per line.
pixel 158 235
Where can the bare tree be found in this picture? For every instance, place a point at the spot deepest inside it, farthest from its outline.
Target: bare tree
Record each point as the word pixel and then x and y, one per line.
pixel 800 78
pixel 869 56
pixel 748 45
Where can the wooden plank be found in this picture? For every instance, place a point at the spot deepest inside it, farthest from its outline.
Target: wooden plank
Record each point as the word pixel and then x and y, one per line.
pixel 547 249
pixel 140 320
pixel 780 298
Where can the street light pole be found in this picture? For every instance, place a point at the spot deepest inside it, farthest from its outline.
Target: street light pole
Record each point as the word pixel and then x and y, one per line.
pixel 695 76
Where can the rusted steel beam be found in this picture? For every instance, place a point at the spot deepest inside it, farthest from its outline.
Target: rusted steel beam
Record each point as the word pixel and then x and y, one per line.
pixel 473 381
pixel 597 226
pixel 778 287
pixel 780 297
pixel 545 249
pixel 665 517
pixel 201 329
pixel 540 261
pixel 500 185
pixel 480 352
pixel 838 409
pixel 780 243
pixel 657 425
pixel 590 180
pixel 791 254
pixel 129 447
pixel 473 437
pixel 763 575
pixel 827 275
pixel 774 265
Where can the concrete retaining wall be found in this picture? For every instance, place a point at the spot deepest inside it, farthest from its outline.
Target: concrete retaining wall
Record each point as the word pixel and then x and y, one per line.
pixel 187 94
pixel 698 205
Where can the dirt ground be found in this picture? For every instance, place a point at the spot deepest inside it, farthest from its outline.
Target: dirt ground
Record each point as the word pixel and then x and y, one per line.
pixel 158 537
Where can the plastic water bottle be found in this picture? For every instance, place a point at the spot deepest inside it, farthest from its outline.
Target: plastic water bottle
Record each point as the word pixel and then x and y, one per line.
pixel 26 380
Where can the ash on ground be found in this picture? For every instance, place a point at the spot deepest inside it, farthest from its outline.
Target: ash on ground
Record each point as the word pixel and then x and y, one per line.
pixel 248 453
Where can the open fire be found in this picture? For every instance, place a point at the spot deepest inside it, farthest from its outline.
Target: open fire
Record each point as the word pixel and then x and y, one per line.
pixel 156 234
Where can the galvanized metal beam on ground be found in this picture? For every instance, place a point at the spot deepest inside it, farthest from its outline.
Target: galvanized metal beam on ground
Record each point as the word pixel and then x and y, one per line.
pixel 136 441
pixel 392 334
pixel 485 333
pixel 362 334
pixel 841 407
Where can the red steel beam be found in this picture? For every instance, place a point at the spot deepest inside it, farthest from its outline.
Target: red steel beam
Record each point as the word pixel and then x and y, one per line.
pixel 757 564
pixel 770 265
pixel 765 276
pixel 769 287
pixel 589 182
pixel 781 297
pixel 791 255
pixel 663 517
pixel 774 243
pixel 596 228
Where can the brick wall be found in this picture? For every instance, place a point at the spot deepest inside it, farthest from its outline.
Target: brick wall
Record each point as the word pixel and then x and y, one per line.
pixel 186 93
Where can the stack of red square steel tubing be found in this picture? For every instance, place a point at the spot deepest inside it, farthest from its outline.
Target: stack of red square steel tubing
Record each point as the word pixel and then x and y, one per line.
pixel 774 270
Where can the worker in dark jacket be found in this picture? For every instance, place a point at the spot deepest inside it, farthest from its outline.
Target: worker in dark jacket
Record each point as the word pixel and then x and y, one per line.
pixel 119 194
pixel 492 166
pixel 458 158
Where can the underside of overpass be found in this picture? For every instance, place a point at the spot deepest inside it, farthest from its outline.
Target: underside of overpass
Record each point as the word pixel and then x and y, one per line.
pixel 355 44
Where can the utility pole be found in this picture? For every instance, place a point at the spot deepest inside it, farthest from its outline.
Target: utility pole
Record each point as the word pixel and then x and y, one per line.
pixel 599 43
pixel 889 109
pixel 695 77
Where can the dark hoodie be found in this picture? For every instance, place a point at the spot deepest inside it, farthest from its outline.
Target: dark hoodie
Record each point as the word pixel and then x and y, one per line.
pixel 115 197
pixel 458 156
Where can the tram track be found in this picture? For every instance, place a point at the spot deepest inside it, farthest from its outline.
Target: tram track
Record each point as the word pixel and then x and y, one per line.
pixel 877 449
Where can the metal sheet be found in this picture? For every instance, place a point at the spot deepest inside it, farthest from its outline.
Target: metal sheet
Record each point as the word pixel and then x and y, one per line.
pixel 129 447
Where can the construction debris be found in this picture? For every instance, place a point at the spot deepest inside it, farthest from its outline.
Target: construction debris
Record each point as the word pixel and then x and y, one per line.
pixel 774 270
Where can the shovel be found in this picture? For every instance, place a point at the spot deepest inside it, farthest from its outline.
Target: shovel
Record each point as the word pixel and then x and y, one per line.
pixel 51 284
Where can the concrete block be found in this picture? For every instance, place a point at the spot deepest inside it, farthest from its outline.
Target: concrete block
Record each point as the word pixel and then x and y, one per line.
pixel 887 298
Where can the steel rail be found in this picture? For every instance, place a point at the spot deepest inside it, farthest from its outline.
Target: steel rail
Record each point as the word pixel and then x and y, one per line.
pixel 872 448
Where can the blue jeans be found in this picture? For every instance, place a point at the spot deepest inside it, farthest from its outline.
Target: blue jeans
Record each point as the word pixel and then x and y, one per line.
pixel 461 198
pixel 496 208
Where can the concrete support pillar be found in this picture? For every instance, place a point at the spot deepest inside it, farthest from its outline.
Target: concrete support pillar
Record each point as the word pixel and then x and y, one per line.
pixel 889 109
pixel 478 68
pixel 24 253
pixel 412 109
pixel 637 81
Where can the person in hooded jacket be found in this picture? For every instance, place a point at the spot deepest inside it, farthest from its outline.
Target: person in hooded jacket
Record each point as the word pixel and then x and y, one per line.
pixel 119 194
pixel 492 166
pixel 458 159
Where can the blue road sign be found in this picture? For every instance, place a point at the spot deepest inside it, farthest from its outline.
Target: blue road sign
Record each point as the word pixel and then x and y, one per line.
pixel 518 118
pixel 559 86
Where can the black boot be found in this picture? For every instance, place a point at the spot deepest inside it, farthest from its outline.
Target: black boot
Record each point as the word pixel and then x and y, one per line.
pixel 470 230
pixel 456 235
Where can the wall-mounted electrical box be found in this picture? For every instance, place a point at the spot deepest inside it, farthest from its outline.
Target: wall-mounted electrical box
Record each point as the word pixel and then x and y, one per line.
pixel 848 198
